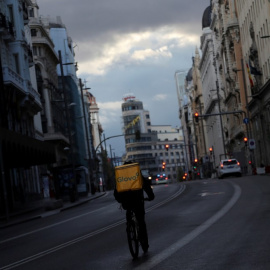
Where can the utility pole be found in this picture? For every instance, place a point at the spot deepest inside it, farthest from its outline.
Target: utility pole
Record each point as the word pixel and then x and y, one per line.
pixel 73 189
pixel 220 117
pixel 87 140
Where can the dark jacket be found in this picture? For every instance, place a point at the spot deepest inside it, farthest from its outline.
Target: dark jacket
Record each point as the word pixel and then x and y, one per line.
pixel 135 198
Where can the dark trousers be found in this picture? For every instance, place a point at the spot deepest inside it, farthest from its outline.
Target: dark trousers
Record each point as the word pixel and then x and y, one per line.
pixel 140 216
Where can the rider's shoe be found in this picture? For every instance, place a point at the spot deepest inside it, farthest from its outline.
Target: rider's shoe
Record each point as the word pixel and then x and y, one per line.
pixel 145 248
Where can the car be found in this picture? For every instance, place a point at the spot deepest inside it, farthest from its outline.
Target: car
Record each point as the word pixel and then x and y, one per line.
pixel 228 167
pixel 160 179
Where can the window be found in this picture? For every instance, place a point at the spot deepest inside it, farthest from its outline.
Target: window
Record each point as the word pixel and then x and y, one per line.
pixel 10 10
pixel 16 63
pixel 33 32
pixel 31 12
pixel 34 50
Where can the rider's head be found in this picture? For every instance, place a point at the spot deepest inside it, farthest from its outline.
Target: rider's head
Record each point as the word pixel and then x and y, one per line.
pixel 128 162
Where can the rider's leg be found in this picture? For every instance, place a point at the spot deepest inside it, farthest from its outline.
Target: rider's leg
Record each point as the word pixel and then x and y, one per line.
pixel 140 215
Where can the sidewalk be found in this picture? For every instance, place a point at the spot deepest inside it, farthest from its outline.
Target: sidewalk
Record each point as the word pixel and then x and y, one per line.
pixel 44 208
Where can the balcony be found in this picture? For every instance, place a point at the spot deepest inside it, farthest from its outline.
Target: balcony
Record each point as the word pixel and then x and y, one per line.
pixel 10 77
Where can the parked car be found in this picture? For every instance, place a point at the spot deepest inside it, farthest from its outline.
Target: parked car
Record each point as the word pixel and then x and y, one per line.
pixel 229 167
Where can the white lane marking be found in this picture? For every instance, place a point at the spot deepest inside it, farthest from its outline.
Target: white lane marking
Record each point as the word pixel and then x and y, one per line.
pixel 152 262
pixel 52 225
pixel 74 241
pixel 210 194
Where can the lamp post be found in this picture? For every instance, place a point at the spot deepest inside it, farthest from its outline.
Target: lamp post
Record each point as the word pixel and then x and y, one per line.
pixel 73 184
pixel 87 139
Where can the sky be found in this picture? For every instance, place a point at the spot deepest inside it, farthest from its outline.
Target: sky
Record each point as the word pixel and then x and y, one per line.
pixel 125 46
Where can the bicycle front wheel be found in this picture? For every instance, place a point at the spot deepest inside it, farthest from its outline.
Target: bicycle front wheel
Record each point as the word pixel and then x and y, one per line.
pixel 133 239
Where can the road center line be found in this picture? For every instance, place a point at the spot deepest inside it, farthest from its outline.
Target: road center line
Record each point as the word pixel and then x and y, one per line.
pixel 152 262
pixel 74 241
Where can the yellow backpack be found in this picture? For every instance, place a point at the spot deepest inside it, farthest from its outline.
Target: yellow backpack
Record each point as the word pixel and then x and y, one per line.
pixel 128 177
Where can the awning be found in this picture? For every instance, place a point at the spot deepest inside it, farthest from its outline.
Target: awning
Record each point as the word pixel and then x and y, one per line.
pixel 23 151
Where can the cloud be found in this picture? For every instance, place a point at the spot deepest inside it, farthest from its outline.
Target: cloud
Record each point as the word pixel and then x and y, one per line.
pixel 127 46
pixel 134 49
pixel 109 113
pixel 160 97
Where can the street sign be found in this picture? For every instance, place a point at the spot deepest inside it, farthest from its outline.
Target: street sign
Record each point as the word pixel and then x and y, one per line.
pixel 246 120
pixel 252 144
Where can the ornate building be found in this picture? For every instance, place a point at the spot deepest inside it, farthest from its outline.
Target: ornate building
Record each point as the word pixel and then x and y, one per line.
pixel 253 17
pixel 22 145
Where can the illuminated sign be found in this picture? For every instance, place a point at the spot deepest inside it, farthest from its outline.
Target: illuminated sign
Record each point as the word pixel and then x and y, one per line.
pixel 133 122
pixel 129 97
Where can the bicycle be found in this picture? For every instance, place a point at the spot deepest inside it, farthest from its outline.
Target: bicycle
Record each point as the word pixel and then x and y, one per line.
pixel 133 233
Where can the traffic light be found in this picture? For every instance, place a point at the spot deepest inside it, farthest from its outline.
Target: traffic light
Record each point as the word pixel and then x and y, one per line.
pixel 163 166
pixel 195 163
pixel 167 147
pixel 211 150
pixel 246 141
pixel 196 117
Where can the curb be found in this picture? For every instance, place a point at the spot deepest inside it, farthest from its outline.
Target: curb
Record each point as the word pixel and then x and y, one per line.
pixel 52 211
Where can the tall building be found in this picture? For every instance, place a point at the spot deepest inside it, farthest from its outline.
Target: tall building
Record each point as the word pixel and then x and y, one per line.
pixel 186 116
pixel 234 72
pixel 96 132
pixel 145 143
pixel 79 165
pixel 22 146
pixel 212 90
pixel 52 116
pixel 253 17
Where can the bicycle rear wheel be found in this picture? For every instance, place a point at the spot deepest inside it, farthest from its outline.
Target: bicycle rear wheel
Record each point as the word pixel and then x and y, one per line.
pixel 133 238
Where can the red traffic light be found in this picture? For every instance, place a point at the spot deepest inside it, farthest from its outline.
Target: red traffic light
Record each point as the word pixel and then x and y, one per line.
pixel 195 160
pixel 245 139
pixel 167 147
pixel 196 116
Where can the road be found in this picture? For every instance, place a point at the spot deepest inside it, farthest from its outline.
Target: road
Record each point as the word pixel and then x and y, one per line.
pixel 202 224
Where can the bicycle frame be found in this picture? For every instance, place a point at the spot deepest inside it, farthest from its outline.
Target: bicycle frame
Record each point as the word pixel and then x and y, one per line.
pixel 133 234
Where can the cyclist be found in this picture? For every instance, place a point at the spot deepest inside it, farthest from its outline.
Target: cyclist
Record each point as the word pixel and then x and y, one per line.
pixel 134 200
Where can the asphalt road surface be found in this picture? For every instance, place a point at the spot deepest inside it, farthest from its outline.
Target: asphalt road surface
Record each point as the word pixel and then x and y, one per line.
pixel 203 224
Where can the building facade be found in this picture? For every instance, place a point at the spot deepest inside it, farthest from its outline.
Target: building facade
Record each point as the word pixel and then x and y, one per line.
pixel 146 143
pixel 234 73
pixel 253 17
pixel 23 149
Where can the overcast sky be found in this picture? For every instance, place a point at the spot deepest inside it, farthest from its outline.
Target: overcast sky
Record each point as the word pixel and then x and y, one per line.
pixel 125 46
